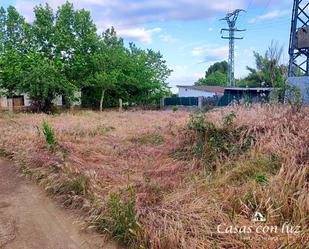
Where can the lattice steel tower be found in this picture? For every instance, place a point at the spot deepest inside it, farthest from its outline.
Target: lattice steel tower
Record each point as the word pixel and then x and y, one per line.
pixel 299 40
pixel 231 19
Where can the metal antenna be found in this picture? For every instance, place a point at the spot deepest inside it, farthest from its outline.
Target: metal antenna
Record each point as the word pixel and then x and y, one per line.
pixel 299 40
pixel 231 19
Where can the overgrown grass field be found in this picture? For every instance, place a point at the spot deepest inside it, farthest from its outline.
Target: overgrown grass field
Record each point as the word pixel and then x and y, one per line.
pixel 168 179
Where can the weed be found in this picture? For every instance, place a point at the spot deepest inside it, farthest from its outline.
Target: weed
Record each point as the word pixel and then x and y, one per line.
pixel 49 134
pixel 104 129
pixel 175 109
pixel 229 118
pixel 210 142
pixel 79 185
pixel 257 168
pixel 120 218
pixel 149 139
pixel 261 178
pixel 294 98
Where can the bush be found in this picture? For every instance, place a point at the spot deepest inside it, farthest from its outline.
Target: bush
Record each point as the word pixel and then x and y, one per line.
pixel 175 109
pixel 120 218
pixel 49 134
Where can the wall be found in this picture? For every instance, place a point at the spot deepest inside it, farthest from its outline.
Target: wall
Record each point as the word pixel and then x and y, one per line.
pixel 303 84
pixel 186 92
pixel 3 102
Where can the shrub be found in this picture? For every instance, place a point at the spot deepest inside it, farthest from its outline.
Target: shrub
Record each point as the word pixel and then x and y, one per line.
pixel 175 109
pixel 120 218
pixel 209 142
pixel 79 185
pixel 294 98
pixel 229 118
pixel 149 139
pixel 49 134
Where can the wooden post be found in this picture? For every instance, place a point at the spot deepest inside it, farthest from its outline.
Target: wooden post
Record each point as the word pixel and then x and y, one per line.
pixel 200 102
pixel 162 103
pixel 120 104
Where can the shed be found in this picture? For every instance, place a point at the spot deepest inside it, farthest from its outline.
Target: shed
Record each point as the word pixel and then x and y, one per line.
pixel 250 94
pixel 200 91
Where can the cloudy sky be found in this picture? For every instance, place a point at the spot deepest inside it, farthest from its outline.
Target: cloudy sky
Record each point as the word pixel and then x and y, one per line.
pixel 187 32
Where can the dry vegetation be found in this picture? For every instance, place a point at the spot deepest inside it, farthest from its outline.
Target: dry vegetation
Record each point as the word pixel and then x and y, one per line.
pixel 167 179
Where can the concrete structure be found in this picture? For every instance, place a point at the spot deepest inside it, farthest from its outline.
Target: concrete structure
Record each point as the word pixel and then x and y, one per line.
pixel 21 101
pixel 200 91
pixel 302 83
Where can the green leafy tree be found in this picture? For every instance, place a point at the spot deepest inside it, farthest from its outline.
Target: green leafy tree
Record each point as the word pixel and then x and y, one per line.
pixel 221 67
pixel 14 38
pixel 2 29
pixel 214 79
pixel 107 64
pixel 216 75
pixel 43 31
pixel 85 45
pixel 147 76
pixel 44 81
pixel 269 71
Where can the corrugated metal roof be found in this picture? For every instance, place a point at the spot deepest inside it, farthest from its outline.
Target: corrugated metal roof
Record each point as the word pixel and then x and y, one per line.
pixel 213 89
pixel 249 88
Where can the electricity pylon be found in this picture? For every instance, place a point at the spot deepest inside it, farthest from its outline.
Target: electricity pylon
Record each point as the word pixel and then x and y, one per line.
pixel 231 19
pixel 299 40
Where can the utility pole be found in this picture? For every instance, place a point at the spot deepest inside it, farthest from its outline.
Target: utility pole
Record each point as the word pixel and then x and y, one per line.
pixel 231 19
pixel 298 71
pixel 299 40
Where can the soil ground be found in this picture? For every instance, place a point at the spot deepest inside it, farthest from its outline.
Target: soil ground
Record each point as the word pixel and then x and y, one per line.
pixel 31 220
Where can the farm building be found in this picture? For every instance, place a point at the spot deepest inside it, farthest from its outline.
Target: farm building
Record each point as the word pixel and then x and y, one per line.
pixel 200 91
pixel 21 101
pixel 250 94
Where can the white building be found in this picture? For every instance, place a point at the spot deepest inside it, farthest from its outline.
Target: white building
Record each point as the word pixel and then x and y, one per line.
pixel 200 91
pixel 22 100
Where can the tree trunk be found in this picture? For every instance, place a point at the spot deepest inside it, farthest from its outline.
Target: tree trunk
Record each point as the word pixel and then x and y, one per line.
pixel 101 100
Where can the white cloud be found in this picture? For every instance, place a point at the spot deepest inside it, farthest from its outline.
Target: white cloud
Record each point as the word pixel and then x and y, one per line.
pixel 141 34
pixel 248 52
pixel 210 53
pixel 124 12
pixel 270 15
pixel 167 38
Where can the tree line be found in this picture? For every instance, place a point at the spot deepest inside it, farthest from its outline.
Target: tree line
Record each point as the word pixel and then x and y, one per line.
pixel 61 53
pixel 269 71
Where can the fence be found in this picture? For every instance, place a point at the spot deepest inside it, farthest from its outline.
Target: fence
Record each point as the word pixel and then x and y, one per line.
pixel 181 101
pixel 200 102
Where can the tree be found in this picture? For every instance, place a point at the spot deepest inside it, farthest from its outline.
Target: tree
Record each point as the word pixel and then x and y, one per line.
pixel 147 75
pixel 214 79
pixel 2 29
pixel 221 67
pixel 216 75
pixel 269 71
pixel 106 63
pixel 44 81
pixel 85 45
pixel 43 31
pixel 13 35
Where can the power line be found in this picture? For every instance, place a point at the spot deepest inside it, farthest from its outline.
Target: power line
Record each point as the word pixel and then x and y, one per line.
pixel 299 45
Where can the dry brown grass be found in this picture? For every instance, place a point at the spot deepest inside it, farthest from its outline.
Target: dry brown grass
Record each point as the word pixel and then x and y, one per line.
pixel 179 200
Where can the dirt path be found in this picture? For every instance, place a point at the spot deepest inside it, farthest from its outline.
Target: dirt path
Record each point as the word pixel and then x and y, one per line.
pixel 30 220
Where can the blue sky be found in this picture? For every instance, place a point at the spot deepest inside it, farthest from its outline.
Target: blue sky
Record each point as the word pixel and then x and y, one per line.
pixel 187 32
